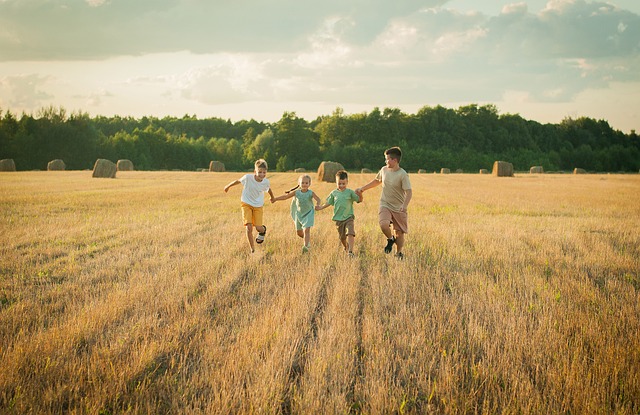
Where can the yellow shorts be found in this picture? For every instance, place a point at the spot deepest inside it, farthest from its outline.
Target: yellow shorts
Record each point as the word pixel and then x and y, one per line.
pixel 251 215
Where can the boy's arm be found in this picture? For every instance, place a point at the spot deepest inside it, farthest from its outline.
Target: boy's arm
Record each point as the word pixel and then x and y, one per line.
pixel 233 183
pixel 272 198
pixel 408 194
pixel 373 183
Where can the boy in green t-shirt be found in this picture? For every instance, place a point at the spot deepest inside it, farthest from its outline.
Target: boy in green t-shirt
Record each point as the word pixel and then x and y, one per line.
pixel 342 200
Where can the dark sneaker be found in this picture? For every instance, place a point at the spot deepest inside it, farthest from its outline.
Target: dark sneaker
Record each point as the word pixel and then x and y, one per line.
pixel 400 256
pixel 351 254
pixel 260 238
pixel 389 247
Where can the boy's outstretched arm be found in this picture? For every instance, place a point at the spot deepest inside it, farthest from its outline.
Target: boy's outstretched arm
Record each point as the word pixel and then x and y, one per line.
pixel 373 183
pixel 323 206
pixel 233 183
pixel 272 198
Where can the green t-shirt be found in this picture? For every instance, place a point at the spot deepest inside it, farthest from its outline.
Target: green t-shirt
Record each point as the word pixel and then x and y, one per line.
pixel 342 203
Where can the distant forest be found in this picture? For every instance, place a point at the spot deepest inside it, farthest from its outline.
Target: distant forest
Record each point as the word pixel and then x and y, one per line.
pixel 470 138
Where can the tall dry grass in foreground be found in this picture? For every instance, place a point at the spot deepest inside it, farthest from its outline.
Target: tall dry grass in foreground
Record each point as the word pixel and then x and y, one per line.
pixel 518 295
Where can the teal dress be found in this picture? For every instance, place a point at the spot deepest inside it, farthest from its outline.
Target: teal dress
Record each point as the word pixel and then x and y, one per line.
pixel 302 209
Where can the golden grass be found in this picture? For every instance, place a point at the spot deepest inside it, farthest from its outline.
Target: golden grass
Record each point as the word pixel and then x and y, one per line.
pixel 518 295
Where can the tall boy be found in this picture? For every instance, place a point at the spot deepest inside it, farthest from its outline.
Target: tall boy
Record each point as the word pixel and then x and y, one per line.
pixel 394 199
pixel 253 188
pixel 342 200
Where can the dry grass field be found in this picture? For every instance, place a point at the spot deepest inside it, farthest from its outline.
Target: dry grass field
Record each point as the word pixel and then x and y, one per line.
pixel 139 295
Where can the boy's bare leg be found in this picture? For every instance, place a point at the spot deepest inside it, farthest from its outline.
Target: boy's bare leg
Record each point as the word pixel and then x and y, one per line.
pixel 399 241
pixel 250 236
pixel 350 240
pixel 261 228
pixel 344 244
pixel 385 226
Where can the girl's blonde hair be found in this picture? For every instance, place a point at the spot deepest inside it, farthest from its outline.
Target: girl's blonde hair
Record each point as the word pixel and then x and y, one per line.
pixel 302 176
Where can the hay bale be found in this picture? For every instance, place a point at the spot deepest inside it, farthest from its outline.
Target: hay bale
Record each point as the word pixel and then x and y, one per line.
pixel 366 171
pixel 421 171
pixel 445 170
pixel 579 171
pixel 56 165
pixel 216 166
pixel 502 169
pixel 484 171
pixel 7 165
pixel 299 170
pixel 104 169
pixel 536 170
pixel 327 171
pixel 459 171
pixel 124 165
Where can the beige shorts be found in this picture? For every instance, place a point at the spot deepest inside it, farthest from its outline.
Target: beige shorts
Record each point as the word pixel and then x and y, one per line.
pixel 251 215
pixel 398 219
pixel 346 227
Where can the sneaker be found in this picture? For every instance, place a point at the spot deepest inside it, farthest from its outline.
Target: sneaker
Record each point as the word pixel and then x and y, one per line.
pixel 305 249
pixel 400 256
pixel 389 247
pixel 351 254
pixel 260 238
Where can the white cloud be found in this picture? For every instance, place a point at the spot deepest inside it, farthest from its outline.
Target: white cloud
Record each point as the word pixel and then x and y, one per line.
pixel 24 91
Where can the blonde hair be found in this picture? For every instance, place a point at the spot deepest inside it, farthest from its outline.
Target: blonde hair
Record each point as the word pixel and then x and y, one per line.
pixel 302 176
pixel 261 164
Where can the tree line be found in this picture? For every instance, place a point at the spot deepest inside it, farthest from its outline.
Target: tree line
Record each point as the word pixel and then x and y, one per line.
pixel 469 138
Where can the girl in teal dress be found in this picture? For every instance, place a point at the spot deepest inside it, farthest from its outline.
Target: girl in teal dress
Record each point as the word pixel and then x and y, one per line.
pixel 302 208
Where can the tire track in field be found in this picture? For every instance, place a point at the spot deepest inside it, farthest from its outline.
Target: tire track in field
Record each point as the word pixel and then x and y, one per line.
pixel 298 363
pixel 358 356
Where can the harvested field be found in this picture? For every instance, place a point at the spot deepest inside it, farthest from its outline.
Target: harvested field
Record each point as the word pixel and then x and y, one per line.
pixel 139 295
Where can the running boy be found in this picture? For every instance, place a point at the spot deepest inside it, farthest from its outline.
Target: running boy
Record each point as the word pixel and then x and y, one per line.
pixel 253 188
pixel 394 199
pixel 302 211
pixel 342 200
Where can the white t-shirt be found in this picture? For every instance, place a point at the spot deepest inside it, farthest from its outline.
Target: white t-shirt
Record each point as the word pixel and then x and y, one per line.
pixel 253 190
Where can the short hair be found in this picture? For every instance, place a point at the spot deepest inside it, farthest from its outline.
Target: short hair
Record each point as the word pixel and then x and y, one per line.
pixel 342 175
pixel 261 164
pixel 394 152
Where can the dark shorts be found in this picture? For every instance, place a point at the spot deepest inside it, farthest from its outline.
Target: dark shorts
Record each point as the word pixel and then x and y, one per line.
pixel 346 227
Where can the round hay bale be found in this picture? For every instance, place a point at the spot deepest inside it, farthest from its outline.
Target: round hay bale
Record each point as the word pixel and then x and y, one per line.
pixel 536 170
pixel 299 170
pixel 7 165
pixel 56 165
pixel 216 166
pixel 459 171
pixel 445 170
pixel 327 171
pixel 366 171
pixel 104 169
pixel 484 171
pixel 421 171
pixel 124 165
pixel 579 171
pixel 502 169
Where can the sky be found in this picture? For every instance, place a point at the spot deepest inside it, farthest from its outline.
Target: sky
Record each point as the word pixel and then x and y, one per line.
pixel 256 59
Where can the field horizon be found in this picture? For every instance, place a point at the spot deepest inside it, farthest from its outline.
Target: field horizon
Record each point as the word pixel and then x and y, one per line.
pixel 139 295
